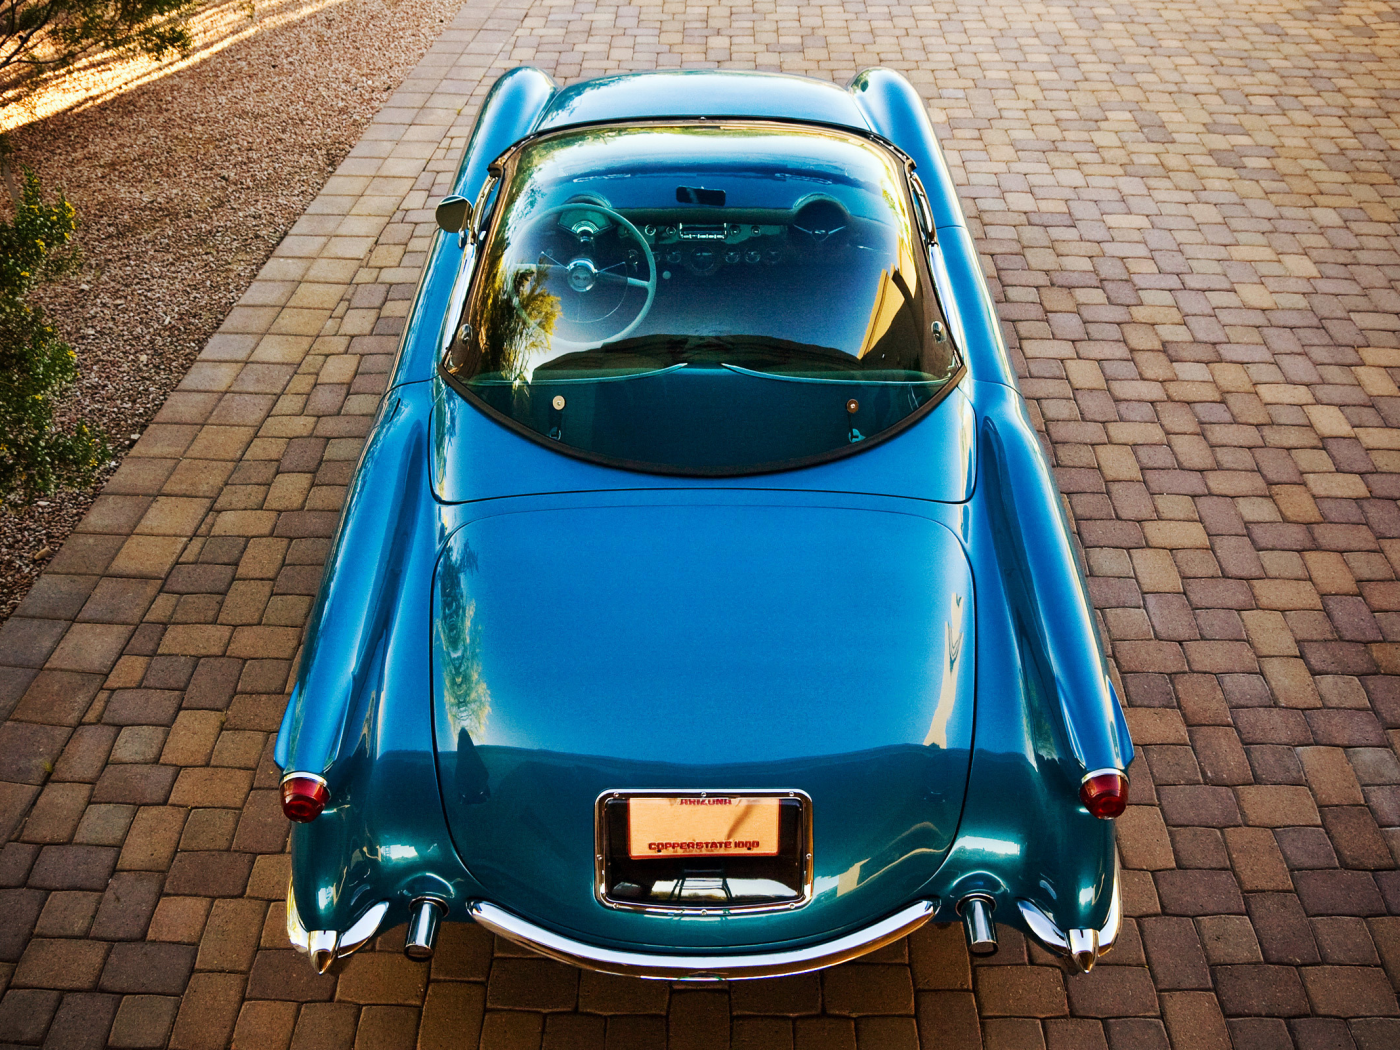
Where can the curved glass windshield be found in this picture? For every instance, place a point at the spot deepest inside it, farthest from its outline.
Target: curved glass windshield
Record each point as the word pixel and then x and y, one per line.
pixel 703 298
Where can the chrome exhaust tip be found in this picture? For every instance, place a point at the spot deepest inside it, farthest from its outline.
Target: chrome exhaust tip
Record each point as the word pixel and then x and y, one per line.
pixel 424 919
pixel 976 912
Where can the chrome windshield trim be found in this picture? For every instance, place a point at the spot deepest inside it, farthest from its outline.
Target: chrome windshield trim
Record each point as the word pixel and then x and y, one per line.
pixel 733 967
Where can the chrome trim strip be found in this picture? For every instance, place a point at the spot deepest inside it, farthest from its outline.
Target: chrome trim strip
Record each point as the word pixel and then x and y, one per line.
pixel 1055 940
pixel 296 932
pixel 353 939
pixel 1042 929
pixel 600 850
pixel 1102 772
pixel 303 776
pixel 365 927
pixel 733 967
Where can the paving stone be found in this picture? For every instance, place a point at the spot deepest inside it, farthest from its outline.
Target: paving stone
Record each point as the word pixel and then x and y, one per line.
pixel 602 993
pixel 19 911
pixel 58 697
pixel 1199 893
pixel 56 813
pixel 285 975
pixel 1136 1033
pixel 67 964
pixel 73 867
pixel 1119 991
pixel 15 800
pixel 700 1020
pixel 793 996
pixel 948 1019
pixel 55 596
pixel 1074 1034
pixel 452 1015
pixel 67 913
pixel 28 752
pixel 860 989
pixel 16 858
pixel 1035 991
pixel 1174 951
pixel 265 1024
pixel 939 959
pixel 25 1013
pixel 383 978
pixel 231 934
pixel 532 984
pixel 148 967
pixel 1282 928
pixel 139 785
pixel 143 1021
pixel 1338 893
pixel 509 1030
pixel 83 1021
pixel 464 954
pixel 887 1033
pixel 208 1011
pixel 209 829
pixel 1356 837
pixel 1013 1033
pixel 209 874
pixel 179 919
pixel 1349 991
pixel 28 642
pixel 824 1033
pixel 150 843
pixel 1374 1033
pixel 1271 991
pixel 127 905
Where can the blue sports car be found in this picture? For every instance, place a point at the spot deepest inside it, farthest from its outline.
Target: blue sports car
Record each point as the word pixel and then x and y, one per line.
pixel 703 606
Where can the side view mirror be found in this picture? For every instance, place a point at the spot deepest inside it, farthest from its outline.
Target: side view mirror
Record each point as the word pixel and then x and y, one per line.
pixel 454 213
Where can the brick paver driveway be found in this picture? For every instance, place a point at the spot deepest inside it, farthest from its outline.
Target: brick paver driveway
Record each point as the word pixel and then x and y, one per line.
pixel 1187 210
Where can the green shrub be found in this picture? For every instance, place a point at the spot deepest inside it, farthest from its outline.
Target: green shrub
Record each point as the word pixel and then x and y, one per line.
pixel 36 364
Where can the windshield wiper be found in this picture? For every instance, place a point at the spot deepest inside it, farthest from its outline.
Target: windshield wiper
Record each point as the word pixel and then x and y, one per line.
pixel 547 378
pixel 846 380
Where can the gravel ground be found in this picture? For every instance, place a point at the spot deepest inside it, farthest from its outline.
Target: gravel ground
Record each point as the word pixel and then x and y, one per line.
pixel 183 187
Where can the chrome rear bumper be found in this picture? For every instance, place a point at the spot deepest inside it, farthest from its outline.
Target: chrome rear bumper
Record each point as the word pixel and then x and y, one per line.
pixel 730 967
pixel 1083 947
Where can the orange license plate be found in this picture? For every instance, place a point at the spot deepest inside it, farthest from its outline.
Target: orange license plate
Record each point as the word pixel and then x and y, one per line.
pixel 702 826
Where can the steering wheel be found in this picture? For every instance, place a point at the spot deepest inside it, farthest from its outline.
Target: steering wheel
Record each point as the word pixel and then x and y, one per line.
pixel 589 294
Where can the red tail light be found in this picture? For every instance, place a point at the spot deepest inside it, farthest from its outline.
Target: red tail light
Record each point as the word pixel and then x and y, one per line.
pixel 303 797
pixel 1105 793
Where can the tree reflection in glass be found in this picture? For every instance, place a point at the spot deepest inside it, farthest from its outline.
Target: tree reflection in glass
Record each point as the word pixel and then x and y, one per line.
pixel 706 297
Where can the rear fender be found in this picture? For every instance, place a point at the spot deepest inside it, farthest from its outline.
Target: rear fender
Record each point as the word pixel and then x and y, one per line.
pixel 1046 712
pixel 360 713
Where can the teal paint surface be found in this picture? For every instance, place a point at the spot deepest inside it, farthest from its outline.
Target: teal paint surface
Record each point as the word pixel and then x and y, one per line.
pixel 628 629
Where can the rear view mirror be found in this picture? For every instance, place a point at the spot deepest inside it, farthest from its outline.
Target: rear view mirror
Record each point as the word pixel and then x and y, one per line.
pixel 454 213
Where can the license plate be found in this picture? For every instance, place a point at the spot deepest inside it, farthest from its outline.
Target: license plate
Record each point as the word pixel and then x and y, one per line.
pixel 702 826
